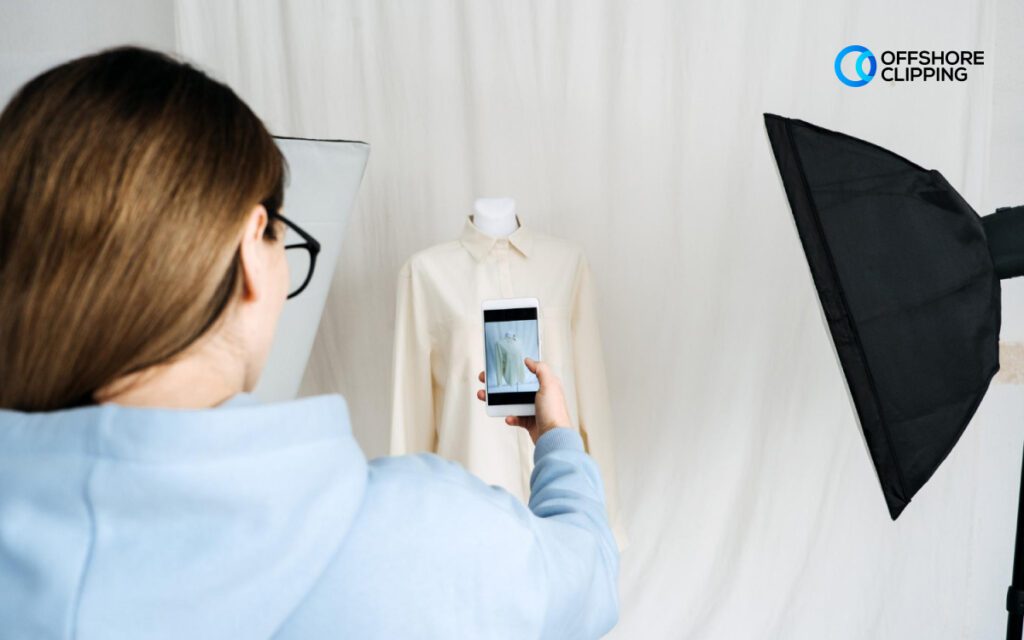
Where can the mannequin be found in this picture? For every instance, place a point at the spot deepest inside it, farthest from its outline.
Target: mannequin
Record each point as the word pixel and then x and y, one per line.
pixel 495 216
pixel 439 348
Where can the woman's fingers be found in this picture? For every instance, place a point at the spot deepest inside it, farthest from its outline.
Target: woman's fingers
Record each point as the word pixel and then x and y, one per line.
pixel 540 369
pixel 526 422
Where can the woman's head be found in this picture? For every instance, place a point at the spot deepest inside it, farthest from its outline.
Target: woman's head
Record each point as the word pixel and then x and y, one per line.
pixel 130 226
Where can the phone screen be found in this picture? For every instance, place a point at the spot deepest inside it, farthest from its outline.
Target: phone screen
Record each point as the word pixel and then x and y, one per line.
pixel 509 336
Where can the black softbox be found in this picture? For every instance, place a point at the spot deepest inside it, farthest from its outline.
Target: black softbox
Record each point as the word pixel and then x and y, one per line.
pixel 907 274
pixel 907 284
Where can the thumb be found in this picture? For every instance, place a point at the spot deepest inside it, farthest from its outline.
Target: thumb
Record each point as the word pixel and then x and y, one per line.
pixel 539 368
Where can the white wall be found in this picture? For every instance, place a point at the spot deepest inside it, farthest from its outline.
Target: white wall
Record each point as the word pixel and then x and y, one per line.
pixel 37 34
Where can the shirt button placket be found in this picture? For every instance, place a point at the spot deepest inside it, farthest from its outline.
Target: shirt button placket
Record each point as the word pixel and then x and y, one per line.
pixel 504 270
pixel 507 291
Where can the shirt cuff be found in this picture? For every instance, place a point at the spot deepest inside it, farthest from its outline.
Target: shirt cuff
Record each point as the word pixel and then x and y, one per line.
pixel 557 438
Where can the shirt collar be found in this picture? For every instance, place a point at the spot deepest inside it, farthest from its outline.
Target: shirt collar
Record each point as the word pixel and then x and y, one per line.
pixel 479 244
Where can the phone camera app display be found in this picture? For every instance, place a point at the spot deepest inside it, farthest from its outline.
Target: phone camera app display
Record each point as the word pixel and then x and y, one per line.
pixel 508 342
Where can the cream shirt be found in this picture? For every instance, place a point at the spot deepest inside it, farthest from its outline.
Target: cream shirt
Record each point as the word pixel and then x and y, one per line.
pixel 439 352
pixel 509 366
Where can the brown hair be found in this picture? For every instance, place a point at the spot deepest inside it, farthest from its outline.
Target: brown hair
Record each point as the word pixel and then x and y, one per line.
pixel 125 180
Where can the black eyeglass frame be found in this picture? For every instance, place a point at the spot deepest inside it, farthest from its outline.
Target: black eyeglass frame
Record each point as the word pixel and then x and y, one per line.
pixel 309 244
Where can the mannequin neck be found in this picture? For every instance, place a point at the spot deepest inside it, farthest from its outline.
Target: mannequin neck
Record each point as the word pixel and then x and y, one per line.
pixel 495 216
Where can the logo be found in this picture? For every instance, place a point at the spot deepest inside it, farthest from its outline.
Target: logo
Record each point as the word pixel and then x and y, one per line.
pixel 865 57
pixel 902 65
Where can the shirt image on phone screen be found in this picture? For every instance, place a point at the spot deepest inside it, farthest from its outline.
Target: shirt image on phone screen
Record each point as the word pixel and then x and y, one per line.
pixel 509 336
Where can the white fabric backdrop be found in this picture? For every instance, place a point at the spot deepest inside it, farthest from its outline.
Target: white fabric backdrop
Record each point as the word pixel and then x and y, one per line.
pixel 635 129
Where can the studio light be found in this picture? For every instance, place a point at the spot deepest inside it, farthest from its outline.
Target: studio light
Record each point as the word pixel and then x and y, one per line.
pixel 908 278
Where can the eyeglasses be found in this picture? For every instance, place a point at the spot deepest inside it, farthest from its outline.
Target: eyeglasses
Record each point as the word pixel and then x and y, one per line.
pixel 300 249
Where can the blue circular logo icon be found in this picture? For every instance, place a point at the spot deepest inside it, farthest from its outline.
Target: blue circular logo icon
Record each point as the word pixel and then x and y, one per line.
pixel 865 56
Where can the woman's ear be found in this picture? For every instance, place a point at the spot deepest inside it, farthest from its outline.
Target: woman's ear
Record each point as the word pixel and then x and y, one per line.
pixel 254 254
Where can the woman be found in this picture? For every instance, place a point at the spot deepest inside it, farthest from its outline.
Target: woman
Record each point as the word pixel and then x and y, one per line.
pixel 143 491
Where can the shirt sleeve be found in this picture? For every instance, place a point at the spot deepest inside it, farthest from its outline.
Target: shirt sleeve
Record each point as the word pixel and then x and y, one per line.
pixel 412 401
pixel 593 407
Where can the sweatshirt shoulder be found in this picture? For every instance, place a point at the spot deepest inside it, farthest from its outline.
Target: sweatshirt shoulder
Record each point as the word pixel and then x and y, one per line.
pixel 450 507
pixel 433 518
pixel 427 477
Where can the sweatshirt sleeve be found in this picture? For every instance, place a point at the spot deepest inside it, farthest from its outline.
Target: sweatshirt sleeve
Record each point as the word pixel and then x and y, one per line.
pixel 481 562
pixel 594 410
pixel 412 399
pixel 579 551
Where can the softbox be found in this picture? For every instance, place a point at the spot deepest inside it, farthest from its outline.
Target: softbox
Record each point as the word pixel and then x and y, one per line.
pixel 906 277
pixel 323 178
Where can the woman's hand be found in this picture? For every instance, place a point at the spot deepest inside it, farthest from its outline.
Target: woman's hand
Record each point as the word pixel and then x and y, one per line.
pixel 551 409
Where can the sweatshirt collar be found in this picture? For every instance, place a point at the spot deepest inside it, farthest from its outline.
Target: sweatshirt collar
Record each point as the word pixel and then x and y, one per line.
pixel 241 425
pixel 479 244
pixel 240 399
pixel 245 501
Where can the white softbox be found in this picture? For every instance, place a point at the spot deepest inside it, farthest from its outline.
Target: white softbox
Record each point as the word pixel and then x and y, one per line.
pixel 324 176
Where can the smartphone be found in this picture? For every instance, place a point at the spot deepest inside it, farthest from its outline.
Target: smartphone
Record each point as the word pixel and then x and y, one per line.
pixel 511 333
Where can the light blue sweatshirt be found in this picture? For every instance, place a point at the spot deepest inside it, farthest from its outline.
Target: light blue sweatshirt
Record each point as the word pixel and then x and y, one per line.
pixel 253 520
